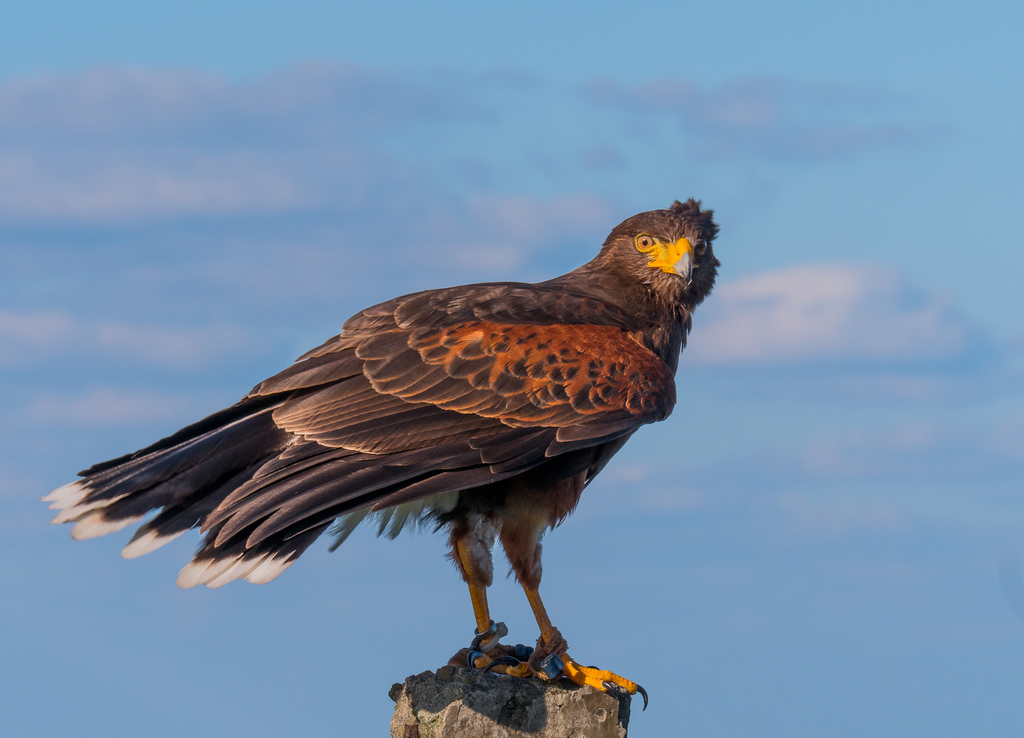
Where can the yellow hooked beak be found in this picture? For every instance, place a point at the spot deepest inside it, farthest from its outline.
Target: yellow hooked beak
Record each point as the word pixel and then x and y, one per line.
pixel 672 258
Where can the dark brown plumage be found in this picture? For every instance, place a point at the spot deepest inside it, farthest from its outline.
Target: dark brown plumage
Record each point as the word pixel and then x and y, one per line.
pixel 483 408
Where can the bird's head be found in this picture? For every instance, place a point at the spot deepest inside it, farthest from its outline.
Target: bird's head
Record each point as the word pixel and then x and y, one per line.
pixel 668 250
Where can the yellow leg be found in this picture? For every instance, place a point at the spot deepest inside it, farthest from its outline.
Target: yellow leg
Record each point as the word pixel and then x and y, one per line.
pixel 478 596
pixel 539 612
pixel 477 589
pixel 597 678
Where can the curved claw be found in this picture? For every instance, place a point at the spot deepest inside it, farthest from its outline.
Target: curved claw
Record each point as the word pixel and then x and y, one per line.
pixel 485 647
pixel 613 687
pixel 516 662
pixel 600 679
pixel 502 660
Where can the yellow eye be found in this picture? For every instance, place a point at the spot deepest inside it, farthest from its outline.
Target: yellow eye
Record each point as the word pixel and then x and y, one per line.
pixel 645 242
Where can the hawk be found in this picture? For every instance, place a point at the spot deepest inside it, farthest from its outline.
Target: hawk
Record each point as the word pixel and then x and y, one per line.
pixel 484 410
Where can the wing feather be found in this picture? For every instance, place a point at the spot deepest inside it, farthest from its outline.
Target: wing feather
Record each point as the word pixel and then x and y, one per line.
pixel 418 399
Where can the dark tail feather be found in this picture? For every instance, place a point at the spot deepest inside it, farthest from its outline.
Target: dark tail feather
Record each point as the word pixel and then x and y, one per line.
pixel 185 476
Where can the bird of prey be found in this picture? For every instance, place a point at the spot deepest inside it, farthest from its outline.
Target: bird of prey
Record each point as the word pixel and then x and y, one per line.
pixel 484 410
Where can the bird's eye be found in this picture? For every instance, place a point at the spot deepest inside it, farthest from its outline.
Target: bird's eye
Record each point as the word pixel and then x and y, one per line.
pixel 644 242
pixel 702 246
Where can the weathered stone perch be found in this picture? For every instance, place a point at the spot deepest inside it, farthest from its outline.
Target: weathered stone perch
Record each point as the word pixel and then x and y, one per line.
pixel 463 703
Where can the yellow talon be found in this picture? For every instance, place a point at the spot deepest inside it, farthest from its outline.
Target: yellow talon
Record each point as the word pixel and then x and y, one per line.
pixel 599 678
pixel 519 670
pixel 596 677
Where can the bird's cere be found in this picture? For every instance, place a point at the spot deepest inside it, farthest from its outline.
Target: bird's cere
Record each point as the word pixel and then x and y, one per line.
pixel 671 257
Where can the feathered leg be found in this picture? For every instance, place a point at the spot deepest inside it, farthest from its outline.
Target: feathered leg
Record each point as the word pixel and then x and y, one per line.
pixel 472 538
pixel 471 541
pixel 521 538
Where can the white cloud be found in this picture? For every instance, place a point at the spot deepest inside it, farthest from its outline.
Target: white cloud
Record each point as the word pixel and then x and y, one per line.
pixel 22 334
pixel 530 219
pixel 110 184
pixel 825 312
pixel 768 117
pixel 908 449
pixel 105 100
pixel 494 234
pixel 1008 437
pixel 103 406
pixel 110 144
pixel 939 452
pixel 15 484
pixel 178 347
pixel 28 337
pixel 835 516
pixel 320 98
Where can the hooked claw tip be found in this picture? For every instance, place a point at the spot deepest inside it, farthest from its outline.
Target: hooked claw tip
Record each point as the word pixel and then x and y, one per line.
pixel 613 687
pixel 502 661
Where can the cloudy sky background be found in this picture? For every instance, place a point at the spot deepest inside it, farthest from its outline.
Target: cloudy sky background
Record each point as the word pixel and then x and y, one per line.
pixel 825 539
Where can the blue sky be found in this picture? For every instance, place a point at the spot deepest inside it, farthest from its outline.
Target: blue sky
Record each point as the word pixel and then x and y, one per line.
pixel 825 539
